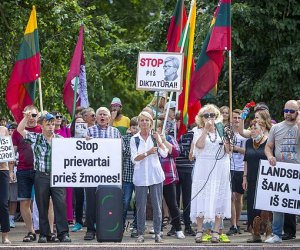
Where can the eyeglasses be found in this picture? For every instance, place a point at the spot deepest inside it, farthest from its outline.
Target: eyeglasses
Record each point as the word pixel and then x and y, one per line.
pixel 292 111
pixel 168 66
pixel 58 117
pixel 34 115
pixel 209 115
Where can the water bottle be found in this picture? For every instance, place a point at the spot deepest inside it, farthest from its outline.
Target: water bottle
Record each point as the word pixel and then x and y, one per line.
pixel 246 110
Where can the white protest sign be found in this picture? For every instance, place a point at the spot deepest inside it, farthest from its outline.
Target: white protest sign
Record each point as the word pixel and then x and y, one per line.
pixel 7 152
pixel 278 188
pixel 81 129
pixel 159 71
pixel 86 163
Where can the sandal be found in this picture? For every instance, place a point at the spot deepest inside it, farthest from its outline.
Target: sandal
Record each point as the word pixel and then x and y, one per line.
pixel 198 238
pixel 29 237
pixel 52 238
pixel 214 237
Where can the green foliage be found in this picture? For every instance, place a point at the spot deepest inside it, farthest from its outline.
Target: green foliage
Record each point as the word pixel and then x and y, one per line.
pixel 265 47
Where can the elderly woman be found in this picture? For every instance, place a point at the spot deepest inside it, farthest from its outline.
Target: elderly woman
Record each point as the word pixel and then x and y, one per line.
pixel 255 148
pixel 211 195
pixel 148 174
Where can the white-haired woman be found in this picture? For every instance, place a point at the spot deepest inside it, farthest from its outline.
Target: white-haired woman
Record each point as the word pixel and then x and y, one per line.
pixel 211 195
pixel 148 174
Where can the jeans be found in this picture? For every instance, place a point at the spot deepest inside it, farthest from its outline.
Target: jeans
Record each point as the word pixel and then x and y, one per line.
pixel 278 222
pixel 128 188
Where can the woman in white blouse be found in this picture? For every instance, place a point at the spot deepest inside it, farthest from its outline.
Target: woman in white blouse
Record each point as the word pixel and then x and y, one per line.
pixel 148 174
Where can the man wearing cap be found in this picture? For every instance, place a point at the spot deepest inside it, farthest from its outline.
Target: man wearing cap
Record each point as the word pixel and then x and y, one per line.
pixel 25 170
pixel 41 145
pixel 101 130
pixel 121 122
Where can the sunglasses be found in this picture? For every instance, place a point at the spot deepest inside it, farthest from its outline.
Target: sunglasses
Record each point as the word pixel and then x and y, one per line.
pixel 58 117
pixel 93 115
pixel 34 115
pixel 209 115
pixel 292 111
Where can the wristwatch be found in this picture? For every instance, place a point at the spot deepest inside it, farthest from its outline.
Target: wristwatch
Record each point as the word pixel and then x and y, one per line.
pixel 145 154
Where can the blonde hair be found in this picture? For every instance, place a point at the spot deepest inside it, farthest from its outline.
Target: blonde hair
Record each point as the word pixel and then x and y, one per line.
pixel 266 118
pixel 147 115
pixel 208 108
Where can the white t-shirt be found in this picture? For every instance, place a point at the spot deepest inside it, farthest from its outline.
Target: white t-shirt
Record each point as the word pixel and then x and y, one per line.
pixel 237 160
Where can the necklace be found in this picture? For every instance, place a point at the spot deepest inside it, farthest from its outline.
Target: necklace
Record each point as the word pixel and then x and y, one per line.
pixel 212 140
pixel 257 144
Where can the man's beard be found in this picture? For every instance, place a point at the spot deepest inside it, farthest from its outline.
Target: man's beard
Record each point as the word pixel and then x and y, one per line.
pixel 118 112
pixel 291 119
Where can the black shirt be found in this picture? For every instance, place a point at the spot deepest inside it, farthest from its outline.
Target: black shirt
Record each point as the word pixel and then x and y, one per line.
pixel 253 157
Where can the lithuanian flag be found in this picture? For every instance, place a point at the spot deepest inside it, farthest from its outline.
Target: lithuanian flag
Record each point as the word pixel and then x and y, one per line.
pixel 20 90
pixel 211 59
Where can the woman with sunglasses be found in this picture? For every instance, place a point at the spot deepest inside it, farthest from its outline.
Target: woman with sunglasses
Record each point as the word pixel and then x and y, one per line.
pixel 66 133
pixel 211 195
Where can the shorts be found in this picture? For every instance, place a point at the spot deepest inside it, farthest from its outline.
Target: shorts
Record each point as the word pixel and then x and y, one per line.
pixel 237 181
pixel 25 183
pixel 13 192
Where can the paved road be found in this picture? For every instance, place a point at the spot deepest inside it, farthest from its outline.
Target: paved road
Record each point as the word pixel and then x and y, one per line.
pixel 237 242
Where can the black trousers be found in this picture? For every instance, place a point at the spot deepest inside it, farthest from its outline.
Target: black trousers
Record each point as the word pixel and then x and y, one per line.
pixel 289 224
pixel 251 212
pixel 90 213
pixel 184 188
pixel 43 192
pixel 4 215
pixel 79 200
pixel 169 192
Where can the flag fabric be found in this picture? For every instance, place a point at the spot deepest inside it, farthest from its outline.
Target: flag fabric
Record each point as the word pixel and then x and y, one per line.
pixel 20 90
pixel 211 58
pixel 174 38
pixel 77 75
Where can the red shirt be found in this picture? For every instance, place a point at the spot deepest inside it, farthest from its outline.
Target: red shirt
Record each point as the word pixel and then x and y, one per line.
pixel 24 149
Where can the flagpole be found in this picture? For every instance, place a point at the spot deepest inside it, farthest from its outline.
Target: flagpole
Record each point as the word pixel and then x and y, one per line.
pixel 230 86
pixel 40 94
pixel 75 96
pixel 181 50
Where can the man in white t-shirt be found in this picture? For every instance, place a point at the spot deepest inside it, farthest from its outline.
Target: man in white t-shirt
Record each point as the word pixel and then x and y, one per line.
pixel 237 171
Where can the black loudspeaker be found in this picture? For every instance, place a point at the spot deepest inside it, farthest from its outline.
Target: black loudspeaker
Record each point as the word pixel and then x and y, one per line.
pixel 109 214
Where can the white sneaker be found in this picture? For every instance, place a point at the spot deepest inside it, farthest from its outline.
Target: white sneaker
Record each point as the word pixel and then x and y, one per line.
pixel 274 239
pixel 161 234
pixel 151 231
pixel 180 235
pixel 12 223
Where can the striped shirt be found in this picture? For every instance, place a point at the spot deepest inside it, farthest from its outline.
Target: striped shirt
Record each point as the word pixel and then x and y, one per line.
pixel 41 151
pixel 108 132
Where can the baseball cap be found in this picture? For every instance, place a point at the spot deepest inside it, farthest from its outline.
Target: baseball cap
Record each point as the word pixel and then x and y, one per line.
pixel 45 116
pixel 172 105
pixel 116 101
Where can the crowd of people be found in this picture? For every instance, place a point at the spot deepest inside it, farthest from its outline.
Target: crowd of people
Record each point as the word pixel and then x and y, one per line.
pixel 205 171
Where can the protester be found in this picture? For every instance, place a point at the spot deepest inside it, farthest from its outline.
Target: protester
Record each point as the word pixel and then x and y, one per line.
pixel 25 170
pixel 78 191
pixel 4 186
pixel 161 102
pixel 236 171
pixel 224 110
pixel 118 120
pixel 171 177
pixel 41 144
pixel 88 115
pixel 3 121
pixel 284 139
pixel 184 187
pixel 211 183
pixel 101 130
pixel 171 119
pixel 254 152
pixel 127 172
pixel 65 132
pixel 147 174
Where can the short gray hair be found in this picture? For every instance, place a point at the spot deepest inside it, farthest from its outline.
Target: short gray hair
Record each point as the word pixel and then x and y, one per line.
pixel 103 109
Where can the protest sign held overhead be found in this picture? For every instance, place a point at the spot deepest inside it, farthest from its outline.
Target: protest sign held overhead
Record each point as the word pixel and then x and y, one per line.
pixel 7 152
pixel 159 71
pixel 278 188
pixel 86 163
